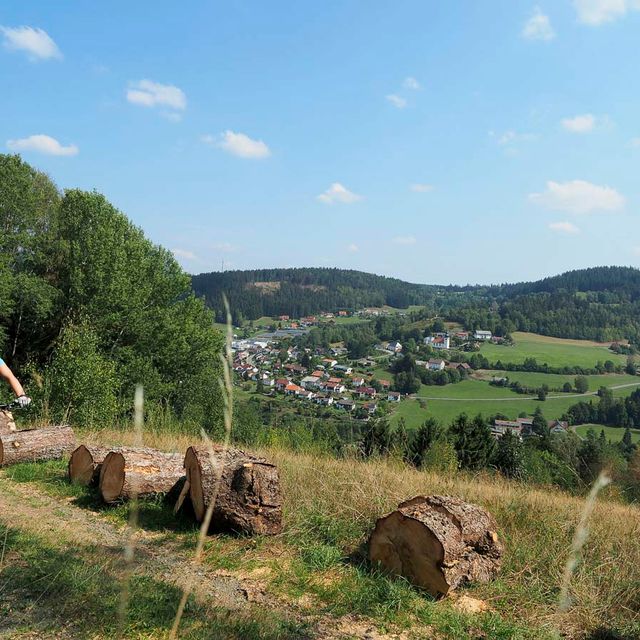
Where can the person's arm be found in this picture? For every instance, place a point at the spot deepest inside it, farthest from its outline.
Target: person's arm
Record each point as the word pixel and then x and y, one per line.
pixel 14 383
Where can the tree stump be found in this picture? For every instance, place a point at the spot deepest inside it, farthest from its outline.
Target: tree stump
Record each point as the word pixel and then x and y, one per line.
pixel 32 445
pixel 245 490
pixel 7 423
pixel 437 543
pixel 144 472
pixel 85 463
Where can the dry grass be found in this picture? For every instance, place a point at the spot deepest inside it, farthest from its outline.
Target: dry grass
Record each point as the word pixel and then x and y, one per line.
pixel 346 496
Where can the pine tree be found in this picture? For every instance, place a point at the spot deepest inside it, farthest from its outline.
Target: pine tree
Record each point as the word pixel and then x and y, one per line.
pixel 423 439
pixel 472 440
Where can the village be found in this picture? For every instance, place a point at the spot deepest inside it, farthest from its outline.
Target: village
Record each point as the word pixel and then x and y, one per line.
pixel 329 378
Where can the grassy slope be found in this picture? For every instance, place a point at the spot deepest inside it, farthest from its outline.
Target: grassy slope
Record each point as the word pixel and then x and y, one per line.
pixel 556 352
pixel 614 434
pixel 331 506
pixel 532 379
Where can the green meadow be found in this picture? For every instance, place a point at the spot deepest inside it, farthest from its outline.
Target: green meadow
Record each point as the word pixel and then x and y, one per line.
pixel 556 352
pixel 533 379
pixel 614 434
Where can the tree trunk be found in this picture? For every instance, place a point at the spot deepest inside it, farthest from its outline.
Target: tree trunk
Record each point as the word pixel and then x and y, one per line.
pixel 31 445
pixel 7 423
pixel 245 490
pixel 85 464
pixel 144 472
pixel 437 543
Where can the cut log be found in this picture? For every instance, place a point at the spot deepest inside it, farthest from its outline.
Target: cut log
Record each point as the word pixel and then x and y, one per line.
pixel 32 445
pixel 245 490
pixel 7 423
pixel 437 543
pixel 144 472
pixel 85 464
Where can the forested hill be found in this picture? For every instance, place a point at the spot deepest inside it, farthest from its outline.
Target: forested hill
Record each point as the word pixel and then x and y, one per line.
pixel 304 291
pixel 600 303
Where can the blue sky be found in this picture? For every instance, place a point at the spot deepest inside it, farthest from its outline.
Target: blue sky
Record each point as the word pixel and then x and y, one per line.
pixel 434 141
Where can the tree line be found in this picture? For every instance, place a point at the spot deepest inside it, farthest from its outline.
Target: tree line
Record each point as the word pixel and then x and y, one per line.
pixel 89 307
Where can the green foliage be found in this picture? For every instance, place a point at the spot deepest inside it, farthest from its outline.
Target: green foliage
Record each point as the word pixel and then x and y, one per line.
pixel 81 383
pixel 581 384
pixel 423 439
pixel 472 440
pixel 441 457
pixel 508 456
pixel 82 288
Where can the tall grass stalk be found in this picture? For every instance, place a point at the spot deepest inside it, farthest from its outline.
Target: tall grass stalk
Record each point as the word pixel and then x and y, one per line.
pixel 579 539
pixel 129 550
pixel 226 383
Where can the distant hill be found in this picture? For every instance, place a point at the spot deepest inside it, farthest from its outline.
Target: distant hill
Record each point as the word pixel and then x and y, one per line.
pixel 600 303
pixel 304 291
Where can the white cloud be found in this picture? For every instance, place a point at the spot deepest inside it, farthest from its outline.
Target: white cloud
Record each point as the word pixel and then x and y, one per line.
pixel 579 124
pixel 421 188
pixel 396 101
pixel 635 142
pixel 183 253
pixel 35 42
pixel 172 116
pixel 511 137
pixel 567 228
pixel 578 197
pixel 411 83
pixel 597 12
pixel 353 248
pixel 42 144
pixel 239 144
pixel 404 240
pixel 147 93
pixel 636 250
pixel 538 27
pixel 338 193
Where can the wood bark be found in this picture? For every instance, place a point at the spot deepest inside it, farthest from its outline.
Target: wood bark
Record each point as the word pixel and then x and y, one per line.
pixel 437 543
pixel 7 423
pixel 244 489
pixel 32 445
pixel 128 471
pixel 85 463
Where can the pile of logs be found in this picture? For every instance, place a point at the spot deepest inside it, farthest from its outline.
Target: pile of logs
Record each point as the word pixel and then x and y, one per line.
pixel 242 490
pixel 437 543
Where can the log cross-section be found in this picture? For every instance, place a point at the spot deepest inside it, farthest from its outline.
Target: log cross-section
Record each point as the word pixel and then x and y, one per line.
pixel 437 543
pixel 35 445
pixel 127 472
pixel 244 489
pixel 85 463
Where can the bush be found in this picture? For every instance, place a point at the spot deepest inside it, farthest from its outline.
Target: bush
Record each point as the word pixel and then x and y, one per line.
pixel 81 384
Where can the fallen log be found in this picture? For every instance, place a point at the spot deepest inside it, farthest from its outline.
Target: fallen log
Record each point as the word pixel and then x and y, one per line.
pixel 85 463
pixel 32 445
pixel 245 490
pixel 437 543
pixel 7 423
pixel 142 472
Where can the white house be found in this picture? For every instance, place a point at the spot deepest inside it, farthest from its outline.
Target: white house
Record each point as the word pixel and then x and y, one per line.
pixel 394 346
pixel 436 364
pixel 482 335
pixel 344 369
pixel 438 342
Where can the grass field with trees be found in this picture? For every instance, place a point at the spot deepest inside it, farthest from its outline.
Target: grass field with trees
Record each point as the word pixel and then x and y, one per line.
pixel 556 352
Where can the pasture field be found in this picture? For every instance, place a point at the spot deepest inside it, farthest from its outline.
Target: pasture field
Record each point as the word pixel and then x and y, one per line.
pixel 533 379
pixel 476 396
pixel 447 410
pixel 614 434
pixel 556 352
